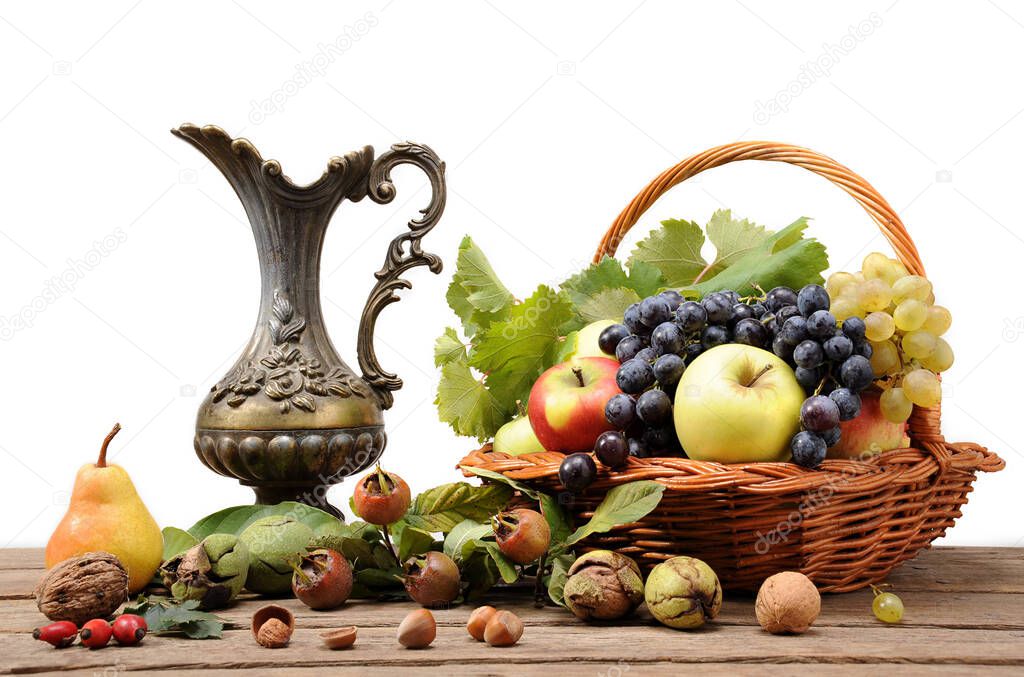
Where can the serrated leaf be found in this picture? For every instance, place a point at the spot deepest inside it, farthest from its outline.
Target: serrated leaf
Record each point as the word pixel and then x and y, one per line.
pixel 624 504
pixel 608 273
pixel 460 541
pixel 466 405
pixel 441 508
pixel 476 294
pixel 515 351
pixel 608 304
pixel 448 347
pixel 732 237
pixel 783 258
pixel 674 249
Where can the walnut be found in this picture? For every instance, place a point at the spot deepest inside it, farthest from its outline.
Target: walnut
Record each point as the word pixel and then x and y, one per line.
pixel 81 588
pixel 272 626
pixel 787 603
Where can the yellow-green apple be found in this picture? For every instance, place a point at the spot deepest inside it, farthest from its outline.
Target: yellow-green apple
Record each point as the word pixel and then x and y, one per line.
pixel 567 402
pixel 584 343
pixel 869 433
pixel 517 437
pixel 737 404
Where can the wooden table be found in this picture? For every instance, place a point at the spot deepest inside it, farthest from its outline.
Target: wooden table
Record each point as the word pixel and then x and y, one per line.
pixel 964 614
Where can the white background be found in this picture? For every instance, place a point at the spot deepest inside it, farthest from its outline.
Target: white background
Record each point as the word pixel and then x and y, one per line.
pixel 550 118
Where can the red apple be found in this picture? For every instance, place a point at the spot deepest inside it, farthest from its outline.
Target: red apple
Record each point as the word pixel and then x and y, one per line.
pixel 567 403
pixel 870 433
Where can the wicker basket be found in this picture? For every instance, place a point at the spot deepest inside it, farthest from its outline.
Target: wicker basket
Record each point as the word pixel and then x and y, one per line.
pixel 845 525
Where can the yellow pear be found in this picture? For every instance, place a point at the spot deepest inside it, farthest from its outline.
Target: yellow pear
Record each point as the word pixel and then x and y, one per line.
pixel 106 513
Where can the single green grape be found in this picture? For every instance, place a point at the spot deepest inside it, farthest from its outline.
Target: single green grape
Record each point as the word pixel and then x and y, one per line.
pixel 888 607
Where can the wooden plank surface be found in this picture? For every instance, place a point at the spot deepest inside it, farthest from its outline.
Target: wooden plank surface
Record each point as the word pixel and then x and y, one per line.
pixel 963 614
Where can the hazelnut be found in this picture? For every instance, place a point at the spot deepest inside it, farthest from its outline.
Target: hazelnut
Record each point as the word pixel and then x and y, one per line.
pixel 787 603
pixel 504 629
pixel 478 621
pixel 603 585
pixel 272 626
pixel 339 638
pixel 417 630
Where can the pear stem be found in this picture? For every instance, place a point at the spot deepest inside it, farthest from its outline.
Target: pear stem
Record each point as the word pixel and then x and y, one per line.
pixel 101 462
pixel 764 370
pixel 579 376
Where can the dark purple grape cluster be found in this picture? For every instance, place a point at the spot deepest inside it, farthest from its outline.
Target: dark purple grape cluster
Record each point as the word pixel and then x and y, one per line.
pixel 662 334
pixel 832 364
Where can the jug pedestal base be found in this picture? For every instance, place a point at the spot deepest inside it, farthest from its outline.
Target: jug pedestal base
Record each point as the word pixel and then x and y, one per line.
pixel 291 465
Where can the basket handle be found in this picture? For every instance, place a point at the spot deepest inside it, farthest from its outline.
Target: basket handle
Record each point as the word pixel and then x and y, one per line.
pixel 874 204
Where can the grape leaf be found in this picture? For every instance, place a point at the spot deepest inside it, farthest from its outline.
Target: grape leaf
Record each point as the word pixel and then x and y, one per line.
pixel 476 294
pixel 514 351
pixel 674 249
pixel 783 258
pixel 608 273
pixel 624 504
pixel 448 347
pixel 732 238
pixel 466 405
pixel 443 507
pixel 608 304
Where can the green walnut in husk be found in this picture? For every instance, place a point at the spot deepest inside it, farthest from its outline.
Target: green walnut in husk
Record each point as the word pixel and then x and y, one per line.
pixel 212 572
pixel 683 593
pixel 275 543
pixel 603 585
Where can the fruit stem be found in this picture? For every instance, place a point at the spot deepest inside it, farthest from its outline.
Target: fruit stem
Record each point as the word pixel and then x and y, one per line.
pixel 764 370
pixel 387 541
pixel 539 597
pixel 520 408
pixel 579 376
pixel 101 462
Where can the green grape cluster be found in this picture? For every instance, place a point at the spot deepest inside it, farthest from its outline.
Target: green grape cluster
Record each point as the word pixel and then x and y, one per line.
pixel 904 326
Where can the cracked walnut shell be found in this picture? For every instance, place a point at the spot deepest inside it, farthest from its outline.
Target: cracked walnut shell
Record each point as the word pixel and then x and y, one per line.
pixel 81 588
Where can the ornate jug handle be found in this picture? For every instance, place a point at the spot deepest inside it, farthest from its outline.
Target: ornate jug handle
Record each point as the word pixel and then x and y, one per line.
pixel 404 253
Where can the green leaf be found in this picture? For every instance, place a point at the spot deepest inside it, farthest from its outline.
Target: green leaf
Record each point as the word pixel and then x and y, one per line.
pixel 379 579
pixel 480 573
pixel 476 294
pixel 674 250
pixel 466 405
pixel 558 576
pixel 176 541
pixel 608 304
pixel 235 520
pixel 358 552
pixel 514 351
pixel 506 567
pixel 164 616
pixel 461 540
pixel 410 540
pixel 732 239
pixel 624 504
pixel 441 508
pixel 782 258
pixel 448 347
